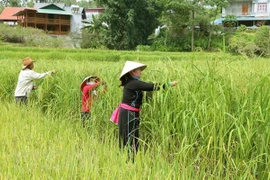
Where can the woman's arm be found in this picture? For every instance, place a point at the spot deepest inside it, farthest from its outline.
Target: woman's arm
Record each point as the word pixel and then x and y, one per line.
pixel 145 86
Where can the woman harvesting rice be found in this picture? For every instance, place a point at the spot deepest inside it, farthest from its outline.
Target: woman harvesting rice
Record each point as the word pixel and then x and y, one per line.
pixel 127 114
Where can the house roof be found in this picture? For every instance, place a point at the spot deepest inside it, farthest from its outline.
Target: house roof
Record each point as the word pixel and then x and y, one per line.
pixel 7 13
pixel 44 11
pixel 59 5
pixel 251 18
pixel 43 5
pixel 52 11
pixel 217 21
pixel 22 11
pixel 55 8
pixel 241 18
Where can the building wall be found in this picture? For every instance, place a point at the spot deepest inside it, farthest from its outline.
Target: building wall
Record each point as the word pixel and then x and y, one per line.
pixel 76 23
pixel 236 8
pixel 93 12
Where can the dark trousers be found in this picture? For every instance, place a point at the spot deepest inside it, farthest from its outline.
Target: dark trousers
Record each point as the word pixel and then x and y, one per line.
pixel 21 99
pixel 129 131
pixel 85 116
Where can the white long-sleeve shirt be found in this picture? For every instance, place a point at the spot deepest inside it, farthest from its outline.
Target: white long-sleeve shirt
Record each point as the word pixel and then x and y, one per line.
pixel 25 81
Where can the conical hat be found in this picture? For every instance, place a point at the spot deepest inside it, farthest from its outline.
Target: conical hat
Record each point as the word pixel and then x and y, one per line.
pixel 85 81
pixel 131 65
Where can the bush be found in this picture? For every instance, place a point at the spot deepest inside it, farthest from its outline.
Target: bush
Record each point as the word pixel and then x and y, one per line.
pixel 29 37
pixel 249 43
pixel 11 34
pixel 243 43
pixel 262 40
pixel 242 28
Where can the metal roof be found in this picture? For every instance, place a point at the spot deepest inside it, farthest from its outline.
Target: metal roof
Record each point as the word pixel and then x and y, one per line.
pixel 217 21
pixel 42 5
pixel 251 18
pixel 241 18
pixel 50 11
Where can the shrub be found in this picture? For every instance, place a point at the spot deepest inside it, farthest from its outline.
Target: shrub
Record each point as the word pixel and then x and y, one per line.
pixel 29 37
pixel 242 28
pixel 243 43
pixel 262 40
pixel 11 34
pixel 230 21
pixel 249 43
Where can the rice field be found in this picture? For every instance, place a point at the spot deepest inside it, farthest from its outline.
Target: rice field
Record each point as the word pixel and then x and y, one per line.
pixel 213 125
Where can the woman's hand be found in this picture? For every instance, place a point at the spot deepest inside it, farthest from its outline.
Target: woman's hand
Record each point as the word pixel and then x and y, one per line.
pixel 52 71
pixel 173 83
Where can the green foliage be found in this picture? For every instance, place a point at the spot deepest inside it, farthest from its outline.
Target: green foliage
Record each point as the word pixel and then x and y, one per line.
pixel 1 8
pixel 18 52
pixel 242 28
pixel 30 4
pixel 89 40
pixel 14 3
pixel 179 34
pixel 230 21
pixel 262 40
pixel 29 37
pixel 143 48
pixel 249 43
pixel 127 22
pixel 216 42
pixel 10 34
pixel 183 42
pixel 93 35
pixel 243 43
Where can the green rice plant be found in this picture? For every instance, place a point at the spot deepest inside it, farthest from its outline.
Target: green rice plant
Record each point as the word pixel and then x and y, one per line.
pixel 213 125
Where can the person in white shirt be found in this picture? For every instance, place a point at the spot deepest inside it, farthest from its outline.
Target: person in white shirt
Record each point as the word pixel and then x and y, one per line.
pixel 25 81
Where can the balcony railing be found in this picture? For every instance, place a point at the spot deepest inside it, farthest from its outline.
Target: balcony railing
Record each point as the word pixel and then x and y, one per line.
pixel 47 21
pixel 55 32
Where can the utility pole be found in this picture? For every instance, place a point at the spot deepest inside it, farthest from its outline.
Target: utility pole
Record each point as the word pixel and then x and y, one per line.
pixel 192 29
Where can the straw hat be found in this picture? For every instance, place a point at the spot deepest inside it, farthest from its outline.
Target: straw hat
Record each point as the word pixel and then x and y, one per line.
pixel 131 65
pixel 86 79
pixel 26 62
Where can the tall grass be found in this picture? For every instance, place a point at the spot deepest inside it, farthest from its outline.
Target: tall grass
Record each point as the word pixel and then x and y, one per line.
pixel 213 125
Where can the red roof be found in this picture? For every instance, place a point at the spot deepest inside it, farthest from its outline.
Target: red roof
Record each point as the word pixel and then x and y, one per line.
pixel 7 13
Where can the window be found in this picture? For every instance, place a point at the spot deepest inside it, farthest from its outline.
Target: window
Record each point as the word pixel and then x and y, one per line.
pixel 262 7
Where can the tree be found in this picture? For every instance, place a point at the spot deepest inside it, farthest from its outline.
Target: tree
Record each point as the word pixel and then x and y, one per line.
pixel 130 22
pixel 181 18
pixel 12 3
pixel 216 5
pixel 188 22
pixel 93 34
pixel 30 4
pixel 1 8
pixel 230 21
